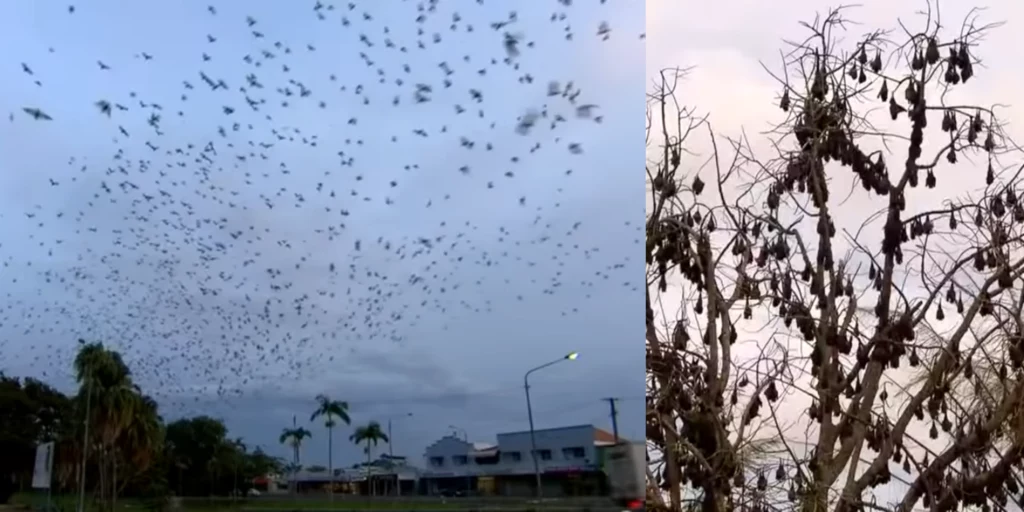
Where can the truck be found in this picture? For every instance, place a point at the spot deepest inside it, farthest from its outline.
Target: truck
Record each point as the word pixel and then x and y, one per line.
pixel 626 467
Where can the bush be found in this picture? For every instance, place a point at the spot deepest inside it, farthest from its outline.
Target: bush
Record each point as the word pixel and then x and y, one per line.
pixel 156 497
pixel 7 489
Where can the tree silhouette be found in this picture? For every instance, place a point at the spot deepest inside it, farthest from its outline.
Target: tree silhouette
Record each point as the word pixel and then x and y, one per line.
pixel 799 356
pixel 371 434
pixel 294 437
pixel 329 410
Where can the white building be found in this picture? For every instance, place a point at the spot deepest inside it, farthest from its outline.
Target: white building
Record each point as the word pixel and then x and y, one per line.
pixel 385 474
pixel 563 454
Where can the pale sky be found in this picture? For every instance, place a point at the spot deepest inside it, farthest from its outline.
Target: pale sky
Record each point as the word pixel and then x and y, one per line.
pixel 250 243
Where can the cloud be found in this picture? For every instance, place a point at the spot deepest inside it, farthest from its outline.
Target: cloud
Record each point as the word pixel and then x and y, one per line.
pixel 410 258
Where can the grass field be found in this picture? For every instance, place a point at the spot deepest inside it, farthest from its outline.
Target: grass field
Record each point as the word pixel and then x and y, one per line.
pixel 68 503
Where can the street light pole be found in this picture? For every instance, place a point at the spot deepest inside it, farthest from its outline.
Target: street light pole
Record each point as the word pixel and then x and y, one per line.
pixel 391 440
pixel 85 445
pixel 391 453
pixel 529 412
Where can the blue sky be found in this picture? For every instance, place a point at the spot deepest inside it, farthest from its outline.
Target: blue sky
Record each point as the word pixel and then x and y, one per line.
pixel 411 258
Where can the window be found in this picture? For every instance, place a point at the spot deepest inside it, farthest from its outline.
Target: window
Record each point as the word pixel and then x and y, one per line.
pixel 460 460
pixel 486 461
pixel 437 461
pixel 573 452
pixel 544 454
pixel 511 456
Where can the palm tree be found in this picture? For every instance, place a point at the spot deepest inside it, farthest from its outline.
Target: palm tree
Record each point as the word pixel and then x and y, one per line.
pixel 371 434
pixel 95 363
pixel 119 406
pixel 294 437
pixel 140 441
pixel 212 464
pixel 330 409
pixel 107 381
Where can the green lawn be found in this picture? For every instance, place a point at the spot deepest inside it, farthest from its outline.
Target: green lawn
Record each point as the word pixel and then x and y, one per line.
pixel 68 503
pixel 317 505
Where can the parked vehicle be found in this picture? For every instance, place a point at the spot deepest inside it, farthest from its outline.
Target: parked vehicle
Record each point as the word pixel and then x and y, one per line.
pixel 626 466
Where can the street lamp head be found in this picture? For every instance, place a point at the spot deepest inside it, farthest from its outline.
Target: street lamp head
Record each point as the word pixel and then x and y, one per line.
pixel 572 356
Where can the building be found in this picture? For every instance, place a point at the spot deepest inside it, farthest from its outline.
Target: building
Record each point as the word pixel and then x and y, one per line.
pixel 453 464
pixel 270 483
pixel 385 476
pixel 569 459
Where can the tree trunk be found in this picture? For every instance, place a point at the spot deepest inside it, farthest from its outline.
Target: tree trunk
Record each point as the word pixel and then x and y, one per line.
pixel 330 463
pixel 102 467
pixel 113 480
pixel 369 487
pixel 81 474
pixel 713 501
pixel 107 482
pixel 295 470
pixel 815 499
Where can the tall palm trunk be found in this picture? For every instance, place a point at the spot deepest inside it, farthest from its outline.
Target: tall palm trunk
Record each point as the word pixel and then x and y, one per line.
pixel 104 475
pixel 295 469
pixel 330 463
pixel 369 487
pixel 113 477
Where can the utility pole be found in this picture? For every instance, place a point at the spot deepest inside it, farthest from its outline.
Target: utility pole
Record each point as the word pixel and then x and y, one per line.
pixel 465 439
pixel 539 492
pixel 85 442
pixel 391 458
pixel 615 417
pixel 391 452
pixel 294 484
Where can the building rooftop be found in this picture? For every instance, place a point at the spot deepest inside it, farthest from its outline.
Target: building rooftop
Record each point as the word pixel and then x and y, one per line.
pixel 601 436
pixel 487 452
pixel 353 474
pixel 476 446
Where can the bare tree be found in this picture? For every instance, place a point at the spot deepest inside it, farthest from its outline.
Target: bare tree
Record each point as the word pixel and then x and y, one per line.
pixel 694 390
pixel 910 318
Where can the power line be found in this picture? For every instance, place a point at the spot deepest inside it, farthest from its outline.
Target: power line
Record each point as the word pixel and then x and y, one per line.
pixel 441 397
